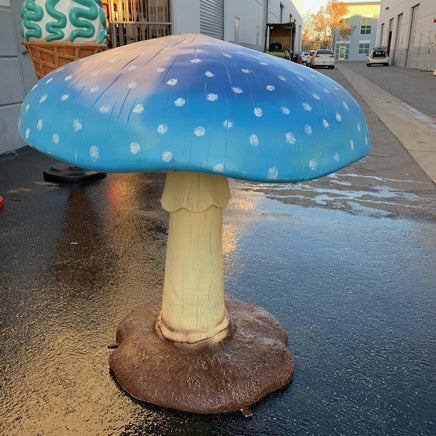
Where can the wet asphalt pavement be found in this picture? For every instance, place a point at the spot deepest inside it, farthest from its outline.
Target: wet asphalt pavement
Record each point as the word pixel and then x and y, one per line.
pixel 345 263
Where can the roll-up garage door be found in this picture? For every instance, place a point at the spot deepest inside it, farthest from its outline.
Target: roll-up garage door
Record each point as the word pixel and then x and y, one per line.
pixel 212 18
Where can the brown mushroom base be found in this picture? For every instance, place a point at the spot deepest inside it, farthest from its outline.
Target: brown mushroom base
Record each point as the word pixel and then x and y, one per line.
pixel 208 377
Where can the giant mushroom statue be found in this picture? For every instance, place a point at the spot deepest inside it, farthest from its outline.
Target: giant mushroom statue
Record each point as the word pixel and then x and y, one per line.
pixel 202 110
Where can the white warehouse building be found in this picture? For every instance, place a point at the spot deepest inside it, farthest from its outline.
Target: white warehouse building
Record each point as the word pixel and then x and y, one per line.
pixel 408 29
pixel 244 22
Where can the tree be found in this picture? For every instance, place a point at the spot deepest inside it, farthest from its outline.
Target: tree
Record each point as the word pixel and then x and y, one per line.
pixel 330 19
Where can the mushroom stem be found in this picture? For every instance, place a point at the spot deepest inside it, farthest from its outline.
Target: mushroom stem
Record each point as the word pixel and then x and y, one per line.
pixel 193 306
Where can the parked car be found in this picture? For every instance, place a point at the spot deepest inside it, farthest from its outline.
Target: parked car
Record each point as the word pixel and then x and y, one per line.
pixel 305 55
pixel 322 58
pixel 378 56
pixel 308 56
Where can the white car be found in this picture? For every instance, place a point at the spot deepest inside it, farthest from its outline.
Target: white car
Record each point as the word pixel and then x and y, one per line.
pixel 305 57
pixel 378 56
pixel 323 58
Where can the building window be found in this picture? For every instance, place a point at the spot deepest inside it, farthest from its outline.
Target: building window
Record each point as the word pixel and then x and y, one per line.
pixel 365 26
pixel 236 29
pixel 364 47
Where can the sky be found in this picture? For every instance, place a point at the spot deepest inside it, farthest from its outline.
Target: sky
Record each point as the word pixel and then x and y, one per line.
pixel 313 6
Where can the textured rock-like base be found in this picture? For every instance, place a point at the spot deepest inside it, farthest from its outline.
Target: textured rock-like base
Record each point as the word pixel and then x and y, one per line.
pixel 211 377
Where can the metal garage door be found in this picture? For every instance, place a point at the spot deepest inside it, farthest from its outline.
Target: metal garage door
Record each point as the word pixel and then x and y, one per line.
pixel 212 18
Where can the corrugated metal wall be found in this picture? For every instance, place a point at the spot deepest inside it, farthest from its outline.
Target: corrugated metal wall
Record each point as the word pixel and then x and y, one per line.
pixel 212 18
pixel 17 76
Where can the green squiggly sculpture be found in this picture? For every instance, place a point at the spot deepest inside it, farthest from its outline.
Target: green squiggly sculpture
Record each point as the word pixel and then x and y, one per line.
pixel 85 28
pixel 54 27
pixel 33 13
pixel 22 13
pixel 102 33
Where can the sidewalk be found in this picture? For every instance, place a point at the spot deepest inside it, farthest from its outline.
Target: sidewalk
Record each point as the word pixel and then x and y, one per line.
pixel 415 130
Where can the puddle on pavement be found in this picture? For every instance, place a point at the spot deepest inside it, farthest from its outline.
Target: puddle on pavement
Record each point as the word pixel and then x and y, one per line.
pixel 356 194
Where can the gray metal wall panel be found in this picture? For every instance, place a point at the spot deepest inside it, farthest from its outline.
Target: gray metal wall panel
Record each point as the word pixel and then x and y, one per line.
pixel 9 139
pixel 212 18
pixel 11 84
pixel 8 44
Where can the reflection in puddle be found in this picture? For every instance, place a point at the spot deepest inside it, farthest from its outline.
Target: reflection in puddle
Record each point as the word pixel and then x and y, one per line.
pixel 359 195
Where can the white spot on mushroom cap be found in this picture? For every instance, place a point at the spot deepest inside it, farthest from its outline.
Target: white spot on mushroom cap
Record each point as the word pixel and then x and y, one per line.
pixel 316 96
pixel 312 164
pixel 65 97
pixel 27 107
pixel 199 131
pixel 273 173
pixel 43 98
pixel 48 80
pixel 39 124
pixel 172 82
pixel 307 107
pixel 338 116
pixel 94 89
pixel 105 109
pixel 218 168
pixel 237 90
pixel 258 112
pixel 135 148
pixel 68 78
pixel 94 152
pixel 162 129
pixel 160 70
pixel 351 144
pixel 282 78
pixel 132 85
pixel 212 97
pixel 132 67
pixel 138 109
pixel 27 133
pixel 180 102
pixel 345 105
pixel 227 55
pixel 270 87
pixel 285 110
pixel 55 138
pixel 245 70
pixel 228 124
pixel 195 61
pixel 167 156
pixel 358 127
pixel 290 138
pixel 77 125
pixel 209 74
pixel 254 140
pixel 308 129
pixel 325 123
pixel 336 157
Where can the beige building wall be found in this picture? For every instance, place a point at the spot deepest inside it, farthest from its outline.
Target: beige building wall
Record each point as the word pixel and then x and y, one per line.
pixel 408 29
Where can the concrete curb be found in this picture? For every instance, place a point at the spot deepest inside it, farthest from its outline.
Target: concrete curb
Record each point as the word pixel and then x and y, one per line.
pixel 415 130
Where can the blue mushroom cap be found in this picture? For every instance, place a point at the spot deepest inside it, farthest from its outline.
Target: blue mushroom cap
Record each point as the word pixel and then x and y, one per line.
pixel 194 103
